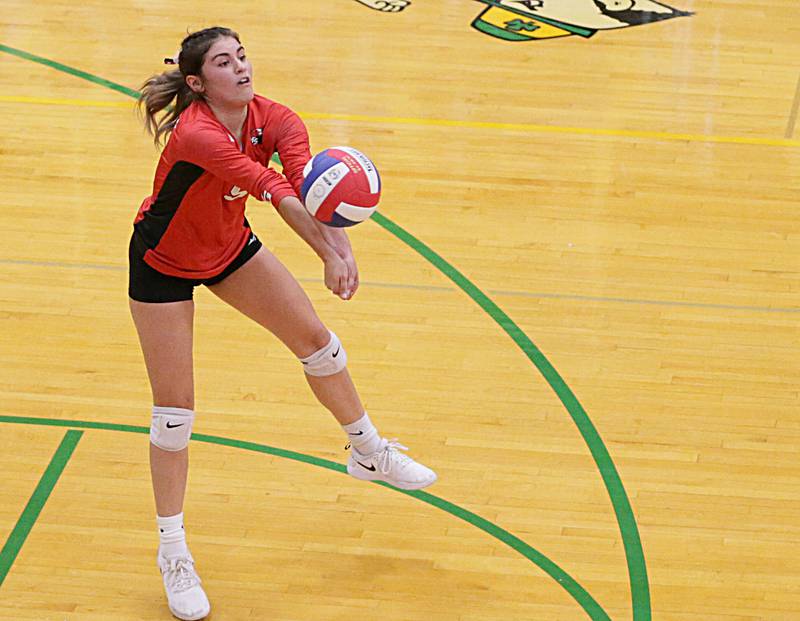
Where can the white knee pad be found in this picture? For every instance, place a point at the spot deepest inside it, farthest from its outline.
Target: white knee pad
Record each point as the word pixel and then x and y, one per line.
pixel 327 361
pixel 171 428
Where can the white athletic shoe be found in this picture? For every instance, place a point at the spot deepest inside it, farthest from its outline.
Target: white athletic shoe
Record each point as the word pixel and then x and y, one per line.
pixel 185 596
pixel 390 465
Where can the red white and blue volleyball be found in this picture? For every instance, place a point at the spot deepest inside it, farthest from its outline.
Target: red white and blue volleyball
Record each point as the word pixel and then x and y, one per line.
pixel 342 187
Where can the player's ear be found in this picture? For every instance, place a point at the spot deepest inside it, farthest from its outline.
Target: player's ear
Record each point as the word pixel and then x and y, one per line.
pixel 195 83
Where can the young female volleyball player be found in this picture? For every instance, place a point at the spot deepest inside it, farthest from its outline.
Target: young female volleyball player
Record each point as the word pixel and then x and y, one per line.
pixel 192 231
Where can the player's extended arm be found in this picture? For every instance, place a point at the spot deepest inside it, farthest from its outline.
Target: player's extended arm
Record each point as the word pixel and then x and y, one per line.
pixel 338 276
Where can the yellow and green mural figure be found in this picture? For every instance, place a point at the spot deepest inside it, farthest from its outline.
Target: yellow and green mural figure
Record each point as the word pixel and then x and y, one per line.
pixel 531 20
pixel 528 20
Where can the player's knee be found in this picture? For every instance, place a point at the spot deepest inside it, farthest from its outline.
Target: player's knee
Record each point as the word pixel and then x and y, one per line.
pixel 171 428
pixel 318 338
pixel 179 394
pixel 327 360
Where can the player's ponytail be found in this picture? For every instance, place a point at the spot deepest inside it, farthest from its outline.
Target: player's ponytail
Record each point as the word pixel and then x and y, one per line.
pixel 158 91
pixel 156 94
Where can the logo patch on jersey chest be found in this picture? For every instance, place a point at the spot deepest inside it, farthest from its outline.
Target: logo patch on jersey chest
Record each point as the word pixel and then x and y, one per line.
pixel 235 193
pixel 257 136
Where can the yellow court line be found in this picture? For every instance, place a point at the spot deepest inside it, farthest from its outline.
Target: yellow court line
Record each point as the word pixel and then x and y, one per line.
pixel 556 129
pixel 520 127
pixel 50 101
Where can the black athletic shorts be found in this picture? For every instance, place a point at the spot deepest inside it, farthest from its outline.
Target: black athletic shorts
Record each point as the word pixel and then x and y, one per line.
pixel 146 284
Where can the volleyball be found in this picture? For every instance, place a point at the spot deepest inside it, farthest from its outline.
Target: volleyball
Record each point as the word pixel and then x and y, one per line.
pixel 341 186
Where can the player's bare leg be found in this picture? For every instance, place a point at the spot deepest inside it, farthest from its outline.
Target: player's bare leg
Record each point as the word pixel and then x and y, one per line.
pixel 165 334
pixel 265 291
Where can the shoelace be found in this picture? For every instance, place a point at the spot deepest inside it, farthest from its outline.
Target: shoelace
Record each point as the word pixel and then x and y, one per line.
pixel 391 453
pixel 181 575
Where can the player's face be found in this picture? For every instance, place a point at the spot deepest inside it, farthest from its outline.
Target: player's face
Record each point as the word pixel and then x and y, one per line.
pixel 227 74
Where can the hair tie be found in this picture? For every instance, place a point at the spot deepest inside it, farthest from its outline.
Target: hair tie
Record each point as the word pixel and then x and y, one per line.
pixel 175 60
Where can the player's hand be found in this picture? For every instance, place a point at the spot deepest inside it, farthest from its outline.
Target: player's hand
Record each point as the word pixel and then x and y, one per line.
pixel 337 277
pixel 340 243
pixel 346 254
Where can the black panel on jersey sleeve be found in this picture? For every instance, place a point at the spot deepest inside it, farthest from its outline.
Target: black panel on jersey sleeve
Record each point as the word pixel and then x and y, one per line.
pixel 156 220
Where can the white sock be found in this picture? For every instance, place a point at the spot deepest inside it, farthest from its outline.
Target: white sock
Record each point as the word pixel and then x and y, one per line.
pixel 363 435
pixel 173 537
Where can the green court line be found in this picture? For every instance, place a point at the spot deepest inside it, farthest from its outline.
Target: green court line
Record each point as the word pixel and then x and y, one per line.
pixel 422 122
pixel 70 70
pixel 36 503
pixel 579 594
pixel 634 554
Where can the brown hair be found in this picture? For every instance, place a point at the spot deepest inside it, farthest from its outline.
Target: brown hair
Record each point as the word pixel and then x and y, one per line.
pixel 158 91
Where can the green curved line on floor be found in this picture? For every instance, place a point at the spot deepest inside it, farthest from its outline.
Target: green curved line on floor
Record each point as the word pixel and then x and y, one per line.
pixel 637 569
pixel 579 594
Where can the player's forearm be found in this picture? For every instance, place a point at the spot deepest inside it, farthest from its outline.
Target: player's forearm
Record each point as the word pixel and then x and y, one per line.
pixel 301 222
pixel 336 238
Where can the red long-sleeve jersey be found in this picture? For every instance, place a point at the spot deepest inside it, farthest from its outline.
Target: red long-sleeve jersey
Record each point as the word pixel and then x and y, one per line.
pixel 193 224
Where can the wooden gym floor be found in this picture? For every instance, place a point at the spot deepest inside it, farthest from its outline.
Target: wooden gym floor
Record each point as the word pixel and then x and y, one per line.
pixel 579 305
